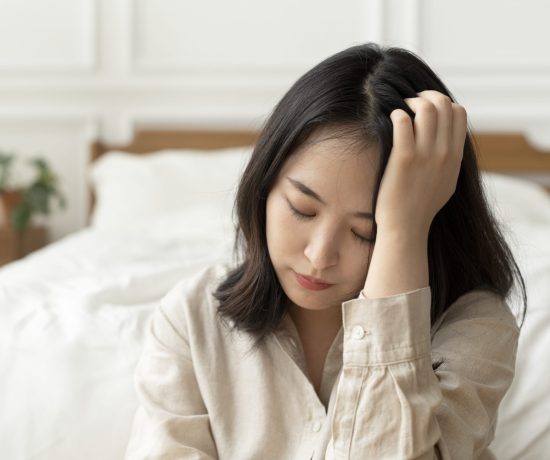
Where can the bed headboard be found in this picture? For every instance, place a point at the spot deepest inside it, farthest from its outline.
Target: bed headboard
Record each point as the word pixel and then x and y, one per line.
pixel 146 141
pixel 511 153
pixel 507 153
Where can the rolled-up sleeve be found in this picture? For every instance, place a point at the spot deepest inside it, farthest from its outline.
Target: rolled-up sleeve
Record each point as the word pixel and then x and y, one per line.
pixel 391 403
pixel 171 420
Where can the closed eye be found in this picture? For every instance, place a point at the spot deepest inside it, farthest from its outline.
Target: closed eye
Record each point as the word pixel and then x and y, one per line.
pixel 362 239
pixel 298 214
pixel 301 216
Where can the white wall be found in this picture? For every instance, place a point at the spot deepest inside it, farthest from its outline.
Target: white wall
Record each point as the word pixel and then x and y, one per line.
pixel 71 70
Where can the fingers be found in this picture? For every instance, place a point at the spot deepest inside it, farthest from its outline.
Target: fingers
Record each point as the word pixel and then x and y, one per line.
pixel 460 126
pixel 444 111
pixel 403 133
pixel 425 161
pixel 425 123
pixel 440 124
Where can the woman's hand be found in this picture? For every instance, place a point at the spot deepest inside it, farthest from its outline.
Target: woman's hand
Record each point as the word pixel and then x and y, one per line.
pixel 419 179
pixel 424 163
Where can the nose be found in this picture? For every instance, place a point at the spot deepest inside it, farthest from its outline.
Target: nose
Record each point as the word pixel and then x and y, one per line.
pixel 322 250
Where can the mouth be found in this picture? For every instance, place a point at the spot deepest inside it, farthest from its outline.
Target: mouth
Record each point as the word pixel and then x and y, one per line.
pixel 313 284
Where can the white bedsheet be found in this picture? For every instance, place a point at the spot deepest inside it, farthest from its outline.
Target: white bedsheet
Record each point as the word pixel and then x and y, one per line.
pixel 72 318
pixel 523 428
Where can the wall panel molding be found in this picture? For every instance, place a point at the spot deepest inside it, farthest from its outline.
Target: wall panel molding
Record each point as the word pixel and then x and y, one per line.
pixel 269 52
pixel 493 67
pixel 374 14
pixel 39 61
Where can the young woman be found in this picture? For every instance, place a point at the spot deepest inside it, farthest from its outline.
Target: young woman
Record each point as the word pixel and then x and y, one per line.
pixel 366 315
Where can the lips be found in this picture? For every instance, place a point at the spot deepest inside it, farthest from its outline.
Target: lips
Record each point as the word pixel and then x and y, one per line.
pixel 313 284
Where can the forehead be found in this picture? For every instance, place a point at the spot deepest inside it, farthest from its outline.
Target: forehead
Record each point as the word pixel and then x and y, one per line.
pixel 329 160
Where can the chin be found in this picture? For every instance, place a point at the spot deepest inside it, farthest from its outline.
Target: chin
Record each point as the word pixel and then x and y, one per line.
pixel 308 303
pixel 310 300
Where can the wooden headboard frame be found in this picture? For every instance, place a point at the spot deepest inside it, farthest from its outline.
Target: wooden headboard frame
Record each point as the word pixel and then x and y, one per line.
pixel 507 153
pixel 511 153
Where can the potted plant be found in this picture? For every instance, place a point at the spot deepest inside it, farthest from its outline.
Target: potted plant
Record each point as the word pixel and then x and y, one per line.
pixel 21 203
pixel 10 198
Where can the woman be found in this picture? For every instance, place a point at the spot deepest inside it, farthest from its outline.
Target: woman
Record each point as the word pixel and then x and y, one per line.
pixel 366 316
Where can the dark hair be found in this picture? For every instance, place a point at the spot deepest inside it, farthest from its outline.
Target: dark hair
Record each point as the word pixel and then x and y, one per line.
pixel 359 88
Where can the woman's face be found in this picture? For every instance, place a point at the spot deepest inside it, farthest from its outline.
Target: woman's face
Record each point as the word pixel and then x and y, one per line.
pixel 332 186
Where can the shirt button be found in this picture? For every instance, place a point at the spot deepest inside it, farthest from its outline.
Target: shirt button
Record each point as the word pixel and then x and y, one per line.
pixel 358 332
pixel 316 426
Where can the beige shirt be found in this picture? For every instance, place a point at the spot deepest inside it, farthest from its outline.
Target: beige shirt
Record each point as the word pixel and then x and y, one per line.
pixel 202 397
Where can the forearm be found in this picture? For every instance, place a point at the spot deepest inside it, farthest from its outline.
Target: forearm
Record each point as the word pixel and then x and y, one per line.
pixel 399 264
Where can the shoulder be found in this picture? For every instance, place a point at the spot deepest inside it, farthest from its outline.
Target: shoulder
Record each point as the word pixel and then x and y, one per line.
pixel 194 286
pixel 190 301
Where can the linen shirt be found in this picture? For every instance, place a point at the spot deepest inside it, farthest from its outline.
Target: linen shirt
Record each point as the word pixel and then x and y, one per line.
pixel 202 396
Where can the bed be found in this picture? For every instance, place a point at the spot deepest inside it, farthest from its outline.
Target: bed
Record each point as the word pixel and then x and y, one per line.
pixel 73 315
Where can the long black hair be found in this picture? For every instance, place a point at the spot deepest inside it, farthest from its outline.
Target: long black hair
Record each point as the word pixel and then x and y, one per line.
pixel 358 88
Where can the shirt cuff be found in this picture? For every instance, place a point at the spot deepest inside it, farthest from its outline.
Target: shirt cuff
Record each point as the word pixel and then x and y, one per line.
pixel 386 330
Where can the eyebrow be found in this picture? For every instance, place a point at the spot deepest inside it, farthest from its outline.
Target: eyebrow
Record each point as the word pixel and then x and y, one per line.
pixel 307 191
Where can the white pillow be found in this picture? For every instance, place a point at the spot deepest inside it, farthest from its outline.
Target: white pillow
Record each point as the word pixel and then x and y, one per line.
pixel 135 189
pixel 515 199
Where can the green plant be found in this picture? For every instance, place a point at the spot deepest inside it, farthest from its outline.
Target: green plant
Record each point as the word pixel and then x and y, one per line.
pixel 37 196
pixel 6 161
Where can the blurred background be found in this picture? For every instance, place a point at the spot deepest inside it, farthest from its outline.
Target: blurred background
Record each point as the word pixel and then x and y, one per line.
pixel 74 71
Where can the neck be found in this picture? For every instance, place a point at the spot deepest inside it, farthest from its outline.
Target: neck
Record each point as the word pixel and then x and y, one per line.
pixel 317 323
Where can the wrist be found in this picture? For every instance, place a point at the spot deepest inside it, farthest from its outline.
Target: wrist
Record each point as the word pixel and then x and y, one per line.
pixel 405 236
pixel 399 263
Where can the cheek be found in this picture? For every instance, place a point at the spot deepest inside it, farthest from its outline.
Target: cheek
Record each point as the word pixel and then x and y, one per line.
pixel 282 229
pixel 356 265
